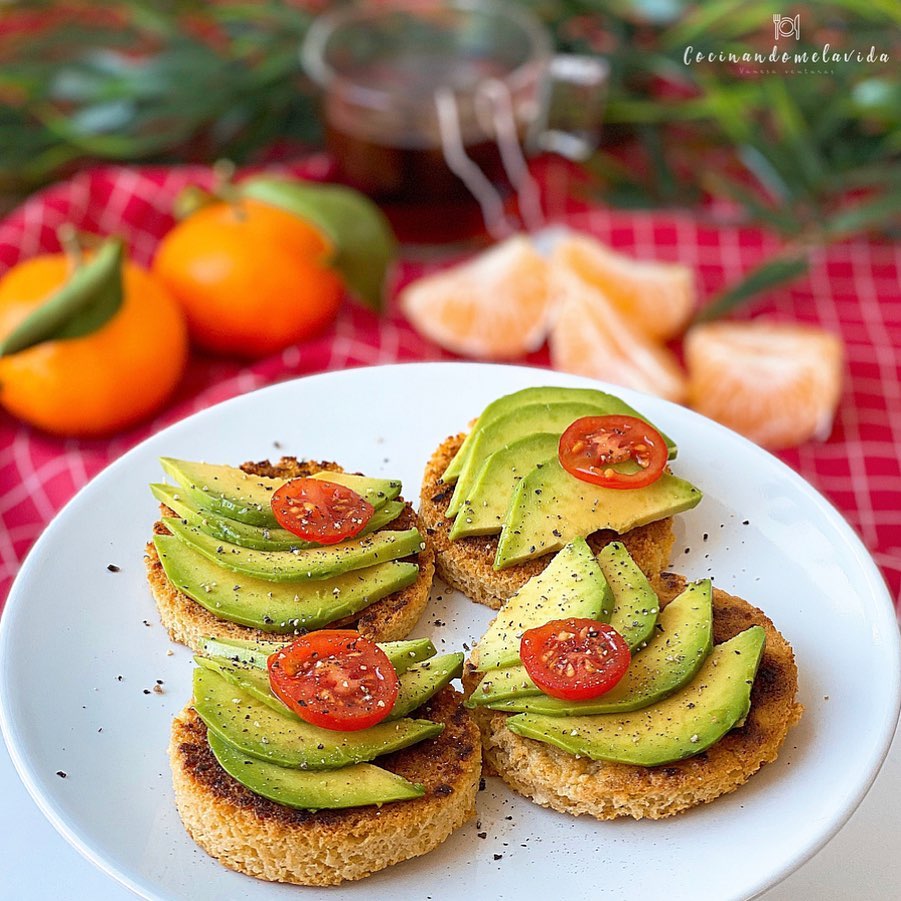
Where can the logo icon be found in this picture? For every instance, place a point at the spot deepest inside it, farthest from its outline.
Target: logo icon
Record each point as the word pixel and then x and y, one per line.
pixel 785 27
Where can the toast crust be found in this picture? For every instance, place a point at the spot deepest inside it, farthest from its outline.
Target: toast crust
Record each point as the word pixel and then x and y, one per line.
pixel 389 619
pixel 267 840
pixel 552 778
pixel 467 563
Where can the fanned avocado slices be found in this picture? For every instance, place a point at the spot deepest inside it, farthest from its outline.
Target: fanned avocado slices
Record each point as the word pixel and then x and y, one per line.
pixel 670 660
pixel 682 725
pixel 550 507
pixel 280 607
pixel 256 537
pixel 259 731
pixel 606 404
pixel 255 652
pixel 230 492
pixel 572 584
pixel 418 683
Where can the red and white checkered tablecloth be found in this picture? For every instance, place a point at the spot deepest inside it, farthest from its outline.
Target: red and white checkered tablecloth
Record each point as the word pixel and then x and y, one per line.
pixel 852 290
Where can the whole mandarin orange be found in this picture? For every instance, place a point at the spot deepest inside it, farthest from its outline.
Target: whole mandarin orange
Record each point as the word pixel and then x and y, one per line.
pixel 98 383
pixel 251 278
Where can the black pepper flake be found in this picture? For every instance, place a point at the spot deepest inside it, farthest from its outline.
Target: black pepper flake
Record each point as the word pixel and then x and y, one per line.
pixel 482 835
pixel 146 623
pixel 62 774
pixel 113 568
pixel 482 784
pixel 119 678
pixel 498 856
pixel 146 691
pixel 746 522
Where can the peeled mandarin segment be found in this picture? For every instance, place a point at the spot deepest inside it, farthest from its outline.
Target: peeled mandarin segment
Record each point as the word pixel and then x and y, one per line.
pixel 590 337
pixel 778 384
pixel 656 298
pixel 494 306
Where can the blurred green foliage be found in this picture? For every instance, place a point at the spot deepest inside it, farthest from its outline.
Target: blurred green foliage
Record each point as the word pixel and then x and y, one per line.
pixel 811 154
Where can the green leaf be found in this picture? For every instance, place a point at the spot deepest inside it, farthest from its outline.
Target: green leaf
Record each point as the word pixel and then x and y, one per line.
pixel 86 302
pixel 770 274
pixel 361 234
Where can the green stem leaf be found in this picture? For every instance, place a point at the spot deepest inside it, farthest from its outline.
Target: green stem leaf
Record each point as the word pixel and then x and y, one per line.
pixel 774 272
pixel 364 242
pixel 85 303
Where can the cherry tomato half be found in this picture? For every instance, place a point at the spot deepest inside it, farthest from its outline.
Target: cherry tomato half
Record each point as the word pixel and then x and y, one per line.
pixel 594 447
pixel 320 511
pixel 574 659
pixel 336 679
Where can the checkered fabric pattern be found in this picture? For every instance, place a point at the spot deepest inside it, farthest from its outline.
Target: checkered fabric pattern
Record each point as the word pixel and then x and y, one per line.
pixel 852 290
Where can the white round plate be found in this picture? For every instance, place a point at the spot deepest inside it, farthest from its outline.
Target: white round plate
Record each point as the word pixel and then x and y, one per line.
pixel 81 649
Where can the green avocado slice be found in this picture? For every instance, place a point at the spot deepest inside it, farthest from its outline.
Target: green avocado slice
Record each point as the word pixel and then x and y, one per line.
pixel 483 512
pixel 259 731
pixel 682 725
pixel 423 681
pixel 281 607
pixel 350 786
pixel 256 537
pixel 671 659
pixel 635 604
pixel 572 584
pixel 234 494
pixel 402 654
pixel 550 507
pixel 503 684
pixel 606 404
pixel 310 564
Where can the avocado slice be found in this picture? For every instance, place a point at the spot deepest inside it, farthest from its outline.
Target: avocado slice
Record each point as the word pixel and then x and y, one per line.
pixel 503 684
pixel 671 659
pixel 350 786
pixel 682 725
pixel 483 512
pixel 417 684
pixel 280 607
pixel 256 537
pixel 553 418
pixel 423 681
pixel 310 564
pixel 572 584
pixel 635 604
pixel 234 494
pixel 259 731
pixel 402 654
pixel 550 507
pixel 606 405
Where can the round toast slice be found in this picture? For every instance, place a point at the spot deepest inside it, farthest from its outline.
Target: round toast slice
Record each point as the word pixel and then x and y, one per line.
pixel 270 841
pixel 389 619
pixel 552 778
pixel 467 564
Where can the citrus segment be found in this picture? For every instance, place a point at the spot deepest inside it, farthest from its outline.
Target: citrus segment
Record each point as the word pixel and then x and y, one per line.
pixel 657 298
pixel 777 384
pixel 494 306
pixel 591 337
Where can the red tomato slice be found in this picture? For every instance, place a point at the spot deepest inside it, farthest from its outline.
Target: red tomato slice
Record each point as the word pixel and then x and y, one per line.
pixel 320 511
pixel 574 659
pixel 595 449
pixel 336 679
